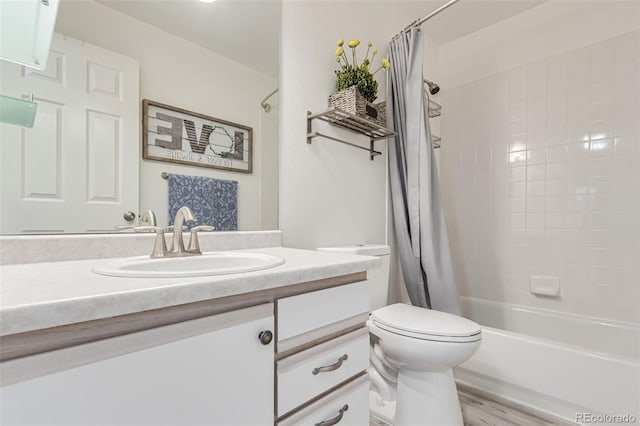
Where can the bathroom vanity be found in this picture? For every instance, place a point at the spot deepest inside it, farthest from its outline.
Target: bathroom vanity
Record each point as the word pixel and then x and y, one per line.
pixel 282 346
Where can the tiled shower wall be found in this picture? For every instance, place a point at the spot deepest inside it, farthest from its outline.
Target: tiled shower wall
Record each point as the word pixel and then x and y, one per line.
pixel 540 170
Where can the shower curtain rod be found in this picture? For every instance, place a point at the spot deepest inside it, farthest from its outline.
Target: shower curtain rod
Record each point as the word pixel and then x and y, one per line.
pixel 424 19
pixel 266 105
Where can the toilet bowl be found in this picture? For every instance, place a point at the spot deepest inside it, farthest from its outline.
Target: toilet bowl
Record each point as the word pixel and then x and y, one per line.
pixel 423 346
pixel 413 351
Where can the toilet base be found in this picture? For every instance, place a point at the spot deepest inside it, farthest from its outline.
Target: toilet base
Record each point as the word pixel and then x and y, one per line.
pixel 382 411
pixel 427 398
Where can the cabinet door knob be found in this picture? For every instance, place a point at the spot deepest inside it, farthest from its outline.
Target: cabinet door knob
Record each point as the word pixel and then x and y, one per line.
pixel 265 337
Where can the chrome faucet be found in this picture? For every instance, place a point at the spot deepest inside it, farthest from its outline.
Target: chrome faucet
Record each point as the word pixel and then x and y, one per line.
pixel 184 214
pixel 177 244
pixel 194 244
pixel 149 217
pixel 159 244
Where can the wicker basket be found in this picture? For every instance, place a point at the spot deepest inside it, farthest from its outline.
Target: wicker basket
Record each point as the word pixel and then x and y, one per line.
pixel 351 101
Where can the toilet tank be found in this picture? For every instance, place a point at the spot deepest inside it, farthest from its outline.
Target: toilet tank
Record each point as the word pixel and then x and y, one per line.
pixel 378 278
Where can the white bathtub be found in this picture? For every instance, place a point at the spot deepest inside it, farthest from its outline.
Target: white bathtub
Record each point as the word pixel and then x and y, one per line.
pixel 558 363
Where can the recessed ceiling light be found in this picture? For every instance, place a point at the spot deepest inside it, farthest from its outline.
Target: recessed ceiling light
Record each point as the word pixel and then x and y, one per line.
pixel 206 1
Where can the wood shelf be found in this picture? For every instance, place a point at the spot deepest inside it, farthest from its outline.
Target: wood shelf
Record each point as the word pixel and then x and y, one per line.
pixel 350 122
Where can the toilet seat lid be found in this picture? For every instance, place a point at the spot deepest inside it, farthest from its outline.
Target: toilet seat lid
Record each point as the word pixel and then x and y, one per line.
pixel 424 323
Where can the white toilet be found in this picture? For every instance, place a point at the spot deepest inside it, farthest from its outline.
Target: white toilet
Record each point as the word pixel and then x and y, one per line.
pixel 413 351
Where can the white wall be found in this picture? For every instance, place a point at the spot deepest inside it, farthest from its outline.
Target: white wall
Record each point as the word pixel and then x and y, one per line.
pixel 179 73
pixel 546 30
pixel 329 193
pixel 540 157
pixel 269 178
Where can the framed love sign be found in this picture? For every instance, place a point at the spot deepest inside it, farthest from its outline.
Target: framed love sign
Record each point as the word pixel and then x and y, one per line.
pixel 180 136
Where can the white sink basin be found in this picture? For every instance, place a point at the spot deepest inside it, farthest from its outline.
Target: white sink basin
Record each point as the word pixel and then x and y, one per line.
pixel 214 263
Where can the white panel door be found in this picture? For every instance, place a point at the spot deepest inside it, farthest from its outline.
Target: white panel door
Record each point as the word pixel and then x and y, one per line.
pixel 76 170
pixel 209 371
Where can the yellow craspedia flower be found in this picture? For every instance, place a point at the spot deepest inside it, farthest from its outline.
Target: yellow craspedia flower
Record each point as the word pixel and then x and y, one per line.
pixel 340 42
pixel 339 51
pixel 354 43
pixel 386 64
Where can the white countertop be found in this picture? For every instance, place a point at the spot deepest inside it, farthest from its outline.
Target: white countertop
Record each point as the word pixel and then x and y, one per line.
pixel 36 296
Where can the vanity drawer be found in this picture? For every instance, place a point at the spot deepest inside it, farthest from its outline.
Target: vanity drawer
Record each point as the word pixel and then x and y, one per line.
pixel 300 377
pixel 306 317
pixel 347 406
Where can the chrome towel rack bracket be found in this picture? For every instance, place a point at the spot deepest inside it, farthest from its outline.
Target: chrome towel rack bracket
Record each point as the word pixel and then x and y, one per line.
pixel 350 122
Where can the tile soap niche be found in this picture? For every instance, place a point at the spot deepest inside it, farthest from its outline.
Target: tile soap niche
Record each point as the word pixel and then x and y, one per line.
pixel 545 286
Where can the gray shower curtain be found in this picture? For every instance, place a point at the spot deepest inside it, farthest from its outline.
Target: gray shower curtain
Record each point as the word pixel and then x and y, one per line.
pixel 421 234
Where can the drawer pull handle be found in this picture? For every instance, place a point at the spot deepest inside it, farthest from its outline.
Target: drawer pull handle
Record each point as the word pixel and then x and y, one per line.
pixel 336 419
pixel 331 367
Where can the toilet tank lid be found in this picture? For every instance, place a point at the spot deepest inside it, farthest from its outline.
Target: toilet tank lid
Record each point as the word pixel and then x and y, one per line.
pixel 363 249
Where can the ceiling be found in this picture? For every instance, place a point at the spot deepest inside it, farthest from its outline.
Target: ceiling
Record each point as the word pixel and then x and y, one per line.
pixel 246 31
pixel 469 16
pixel 231 27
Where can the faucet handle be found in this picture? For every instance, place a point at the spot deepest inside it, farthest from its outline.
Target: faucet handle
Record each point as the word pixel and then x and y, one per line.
pixel 149 217
pixel 148 229
pixel 124 227
pixel 194 244
pixel 204 228
pixel 160 244
pixel 170 228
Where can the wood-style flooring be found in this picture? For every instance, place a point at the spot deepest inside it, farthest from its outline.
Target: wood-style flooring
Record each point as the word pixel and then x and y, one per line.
pixel 478 410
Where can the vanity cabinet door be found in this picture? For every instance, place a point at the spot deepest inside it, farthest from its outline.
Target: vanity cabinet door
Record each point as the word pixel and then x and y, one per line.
pixel 208 371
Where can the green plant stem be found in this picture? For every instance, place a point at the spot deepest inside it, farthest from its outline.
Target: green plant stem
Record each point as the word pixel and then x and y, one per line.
pixel 345 57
